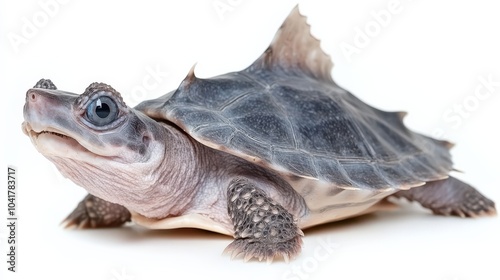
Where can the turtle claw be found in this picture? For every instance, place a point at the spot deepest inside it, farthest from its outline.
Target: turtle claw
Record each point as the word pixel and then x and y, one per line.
pixel 77 219
pixel 93 212
pixel 250 249
pixel 492 211
pixel 286 258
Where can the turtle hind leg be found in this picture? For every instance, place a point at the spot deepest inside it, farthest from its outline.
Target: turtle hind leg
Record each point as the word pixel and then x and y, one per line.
pixel 263 228
pixel 450 197
pixel 93 212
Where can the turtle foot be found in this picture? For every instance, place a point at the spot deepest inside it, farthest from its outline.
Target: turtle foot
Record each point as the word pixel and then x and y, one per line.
pixel 93 212
pixel 263 228
pixel 451 197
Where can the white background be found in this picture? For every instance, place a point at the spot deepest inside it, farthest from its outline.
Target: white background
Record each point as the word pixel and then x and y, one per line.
pixel 427 59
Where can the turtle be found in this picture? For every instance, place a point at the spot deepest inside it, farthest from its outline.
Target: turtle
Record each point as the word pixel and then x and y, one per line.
pixel 259 154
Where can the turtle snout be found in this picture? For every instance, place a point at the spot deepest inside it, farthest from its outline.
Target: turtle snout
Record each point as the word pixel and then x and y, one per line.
pixel 35 97
pixel 31 96
pixel 48 99
pixel 34 108
pixel 44 106
pixel 34 101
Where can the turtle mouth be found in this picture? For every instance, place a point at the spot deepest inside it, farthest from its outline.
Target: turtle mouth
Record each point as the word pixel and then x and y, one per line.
pixel 52 141
pixel 32 133
pixel 54 133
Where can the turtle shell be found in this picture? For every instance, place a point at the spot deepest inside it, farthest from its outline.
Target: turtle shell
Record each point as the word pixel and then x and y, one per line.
pixel 286 113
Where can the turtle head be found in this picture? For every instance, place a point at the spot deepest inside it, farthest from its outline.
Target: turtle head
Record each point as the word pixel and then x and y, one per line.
pixel 93 138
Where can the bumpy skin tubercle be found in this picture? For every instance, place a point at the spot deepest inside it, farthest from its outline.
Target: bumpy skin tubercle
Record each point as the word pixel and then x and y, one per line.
pixel 263 228
pixel 45 84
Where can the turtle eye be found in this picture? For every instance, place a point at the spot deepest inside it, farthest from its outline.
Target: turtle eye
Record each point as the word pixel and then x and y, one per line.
pixel 102 111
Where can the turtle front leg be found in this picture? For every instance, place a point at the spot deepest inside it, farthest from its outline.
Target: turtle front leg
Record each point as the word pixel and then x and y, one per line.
pixel 93 212
pixel 263 228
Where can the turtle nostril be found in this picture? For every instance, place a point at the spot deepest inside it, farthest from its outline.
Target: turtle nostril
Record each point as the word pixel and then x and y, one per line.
pixel 31 96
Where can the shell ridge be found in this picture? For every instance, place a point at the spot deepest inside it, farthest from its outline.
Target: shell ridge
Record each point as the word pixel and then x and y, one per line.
pixel 294 49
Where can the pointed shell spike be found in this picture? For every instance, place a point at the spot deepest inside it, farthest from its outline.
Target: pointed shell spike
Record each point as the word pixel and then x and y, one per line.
pixel 295 51
pixel 190 78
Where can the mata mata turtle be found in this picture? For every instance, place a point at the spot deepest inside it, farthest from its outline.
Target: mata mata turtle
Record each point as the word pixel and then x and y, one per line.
pixel 257 154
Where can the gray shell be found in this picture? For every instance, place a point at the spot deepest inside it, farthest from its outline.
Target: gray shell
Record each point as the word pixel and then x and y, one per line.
pixel 286 113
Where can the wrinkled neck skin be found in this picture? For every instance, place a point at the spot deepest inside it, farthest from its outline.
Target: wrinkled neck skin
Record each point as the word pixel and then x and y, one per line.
pixel 174 175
